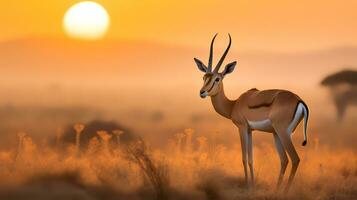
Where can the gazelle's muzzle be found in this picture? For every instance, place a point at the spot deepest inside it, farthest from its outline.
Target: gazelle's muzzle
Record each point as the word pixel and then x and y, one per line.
pixel 203 94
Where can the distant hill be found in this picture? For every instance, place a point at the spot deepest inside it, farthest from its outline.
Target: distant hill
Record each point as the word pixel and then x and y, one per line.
pixel 123 62
pixel 65 59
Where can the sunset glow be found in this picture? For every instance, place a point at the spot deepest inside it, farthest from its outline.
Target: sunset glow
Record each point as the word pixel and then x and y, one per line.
pixel 168 100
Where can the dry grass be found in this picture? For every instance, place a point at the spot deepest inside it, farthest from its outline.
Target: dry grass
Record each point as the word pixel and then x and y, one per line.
pixel 189 167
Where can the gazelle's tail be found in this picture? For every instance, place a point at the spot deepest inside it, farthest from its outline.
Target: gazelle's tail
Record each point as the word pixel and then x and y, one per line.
pixel 306 118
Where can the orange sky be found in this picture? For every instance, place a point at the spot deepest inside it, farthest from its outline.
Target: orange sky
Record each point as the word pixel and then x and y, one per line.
pixel 278 25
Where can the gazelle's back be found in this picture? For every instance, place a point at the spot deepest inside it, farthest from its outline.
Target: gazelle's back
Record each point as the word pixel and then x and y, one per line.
pixel 258 105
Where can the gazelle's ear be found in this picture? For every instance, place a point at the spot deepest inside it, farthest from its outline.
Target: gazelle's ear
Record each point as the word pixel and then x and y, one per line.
pixel 229 68
pixel 200 65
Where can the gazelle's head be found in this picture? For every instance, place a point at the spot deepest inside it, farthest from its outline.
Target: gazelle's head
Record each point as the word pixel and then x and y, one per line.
pixel 213 79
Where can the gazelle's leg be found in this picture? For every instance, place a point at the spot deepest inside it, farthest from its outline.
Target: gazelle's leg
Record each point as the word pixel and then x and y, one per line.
pixel 285 139
pixel 250 156
pixel 283 158
pixel 243 132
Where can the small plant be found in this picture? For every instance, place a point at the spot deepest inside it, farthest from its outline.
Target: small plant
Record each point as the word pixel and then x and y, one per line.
pixel 189 133
pixel 179 137
pixel 105 138
pixel 20 147
pixel 93 146
pixel 157 174
pixel 202 144
pixel 117 134
pixel 28 145
pixel 78 129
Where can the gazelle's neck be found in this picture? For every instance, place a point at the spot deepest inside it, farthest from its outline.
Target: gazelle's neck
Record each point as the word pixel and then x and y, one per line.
pixel 222 104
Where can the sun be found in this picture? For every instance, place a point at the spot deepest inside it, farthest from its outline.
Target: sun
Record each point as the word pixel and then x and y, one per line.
pixel 86 20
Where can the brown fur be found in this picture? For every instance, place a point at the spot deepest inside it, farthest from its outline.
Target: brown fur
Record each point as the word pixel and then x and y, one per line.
pixel 262 98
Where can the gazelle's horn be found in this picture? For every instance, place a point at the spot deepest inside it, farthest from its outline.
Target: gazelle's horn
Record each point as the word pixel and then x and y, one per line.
pixel 211 54
pixel 224 55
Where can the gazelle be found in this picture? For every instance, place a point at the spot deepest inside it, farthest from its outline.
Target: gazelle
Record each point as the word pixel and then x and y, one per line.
pixel 275 111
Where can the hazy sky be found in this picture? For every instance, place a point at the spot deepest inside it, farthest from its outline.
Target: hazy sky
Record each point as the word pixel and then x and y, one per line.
pixel 279 25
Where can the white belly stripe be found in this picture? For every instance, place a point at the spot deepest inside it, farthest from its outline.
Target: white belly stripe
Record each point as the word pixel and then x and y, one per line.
pixel 265 125
pixel 260 125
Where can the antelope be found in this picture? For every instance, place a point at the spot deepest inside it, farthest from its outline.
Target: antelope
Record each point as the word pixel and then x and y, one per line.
pixel 274 111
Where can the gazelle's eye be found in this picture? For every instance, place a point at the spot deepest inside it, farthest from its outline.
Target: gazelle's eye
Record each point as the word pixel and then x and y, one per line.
pixel 217 79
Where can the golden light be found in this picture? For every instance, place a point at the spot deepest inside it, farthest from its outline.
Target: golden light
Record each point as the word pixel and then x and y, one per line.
pixel 86 20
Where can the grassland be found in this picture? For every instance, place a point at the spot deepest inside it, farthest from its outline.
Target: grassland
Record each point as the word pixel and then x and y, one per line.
pixel 189 166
